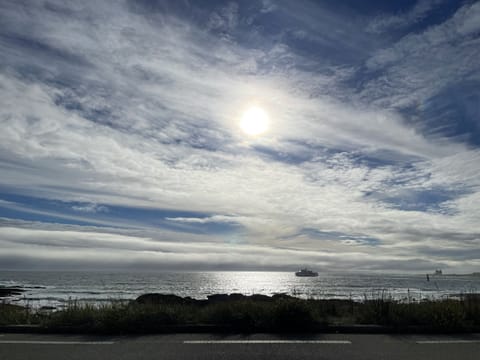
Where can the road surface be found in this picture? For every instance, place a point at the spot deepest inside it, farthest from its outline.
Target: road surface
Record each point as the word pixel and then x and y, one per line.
pixel 258 346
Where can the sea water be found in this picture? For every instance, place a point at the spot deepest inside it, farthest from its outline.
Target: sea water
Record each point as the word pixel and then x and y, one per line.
pixel 59 288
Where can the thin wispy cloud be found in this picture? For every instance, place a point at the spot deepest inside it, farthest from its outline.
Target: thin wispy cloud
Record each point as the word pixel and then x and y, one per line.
pixel 126 115
pixel 401 20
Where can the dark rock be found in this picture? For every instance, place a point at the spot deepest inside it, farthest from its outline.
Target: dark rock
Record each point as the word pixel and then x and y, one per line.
pixel 236 297
pixel 282 297
pixel 259 297
pixel 4 291
pixel 170 299
pixel 218 298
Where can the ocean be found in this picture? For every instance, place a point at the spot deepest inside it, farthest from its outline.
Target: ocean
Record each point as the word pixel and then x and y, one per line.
pixel 58 288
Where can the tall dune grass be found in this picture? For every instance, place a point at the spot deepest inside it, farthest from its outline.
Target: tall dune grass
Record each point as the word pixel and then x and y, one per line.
pixel 253 314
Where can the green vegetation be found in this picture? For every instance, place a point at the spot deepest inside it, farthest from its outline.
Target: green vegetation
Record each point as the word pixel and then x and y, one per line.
pixel 155 313
pixel 446 315
pixel 16 315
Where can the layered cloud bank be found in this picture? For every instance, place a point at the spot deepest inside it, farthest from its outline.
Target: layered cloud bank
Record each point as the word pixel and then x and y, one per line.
pixel 121 146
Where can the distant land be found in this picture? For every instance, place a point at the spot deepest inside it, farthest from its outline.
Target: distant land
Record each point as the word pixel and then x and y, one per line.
pixel 443 274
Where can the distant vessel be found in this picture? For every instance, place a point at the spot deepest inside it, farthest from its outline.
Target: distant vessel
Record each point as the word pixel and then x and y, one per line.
pixel 306 272
pixel 438 272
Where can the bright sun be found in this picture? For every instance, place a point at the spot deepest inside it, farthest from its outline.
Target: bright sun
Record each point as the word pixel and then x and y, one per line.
pixel 254 121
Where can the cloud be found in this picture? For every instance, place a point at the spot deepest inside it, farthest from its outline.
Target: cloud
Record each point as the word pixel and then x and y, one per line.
pixel 119 105
pixel 420 65
pixel 62 249
pixel 224 19
pixel 204 220
pixel 417 13
pixel 90 208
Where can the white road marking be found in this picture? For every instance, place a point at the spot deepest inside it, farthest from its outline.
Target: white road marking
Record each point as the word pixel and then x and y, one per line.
pixel 39 342
pixel 267 342
pixel 448 341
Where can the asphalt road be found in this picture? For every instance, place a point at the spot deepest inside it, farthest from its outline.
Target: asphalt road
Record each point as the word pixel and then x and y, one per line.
pixel 258 346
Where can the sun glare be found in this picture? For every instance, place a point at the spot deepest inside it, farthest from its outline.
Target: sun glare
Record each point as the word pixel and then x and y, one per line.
pixel 254 121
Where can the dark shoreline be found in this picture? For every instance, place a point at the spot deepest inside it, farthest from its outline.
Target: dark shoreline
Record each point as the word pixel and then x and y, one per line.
pixel 161 313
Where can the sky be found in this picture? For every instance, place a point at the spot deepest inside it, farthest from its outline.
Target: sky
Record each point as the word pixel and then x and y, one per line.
pixel 122 145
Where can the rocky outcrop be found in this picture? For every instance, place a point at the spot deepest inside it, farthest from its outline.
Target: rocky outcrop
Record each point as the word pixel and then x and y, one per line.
pixel 169 299
pixel 10 291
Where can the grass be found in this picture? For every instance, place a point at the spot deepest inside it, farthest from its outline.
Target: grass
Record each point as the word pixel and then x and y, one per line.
pixel 252 314
pixel 16 315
